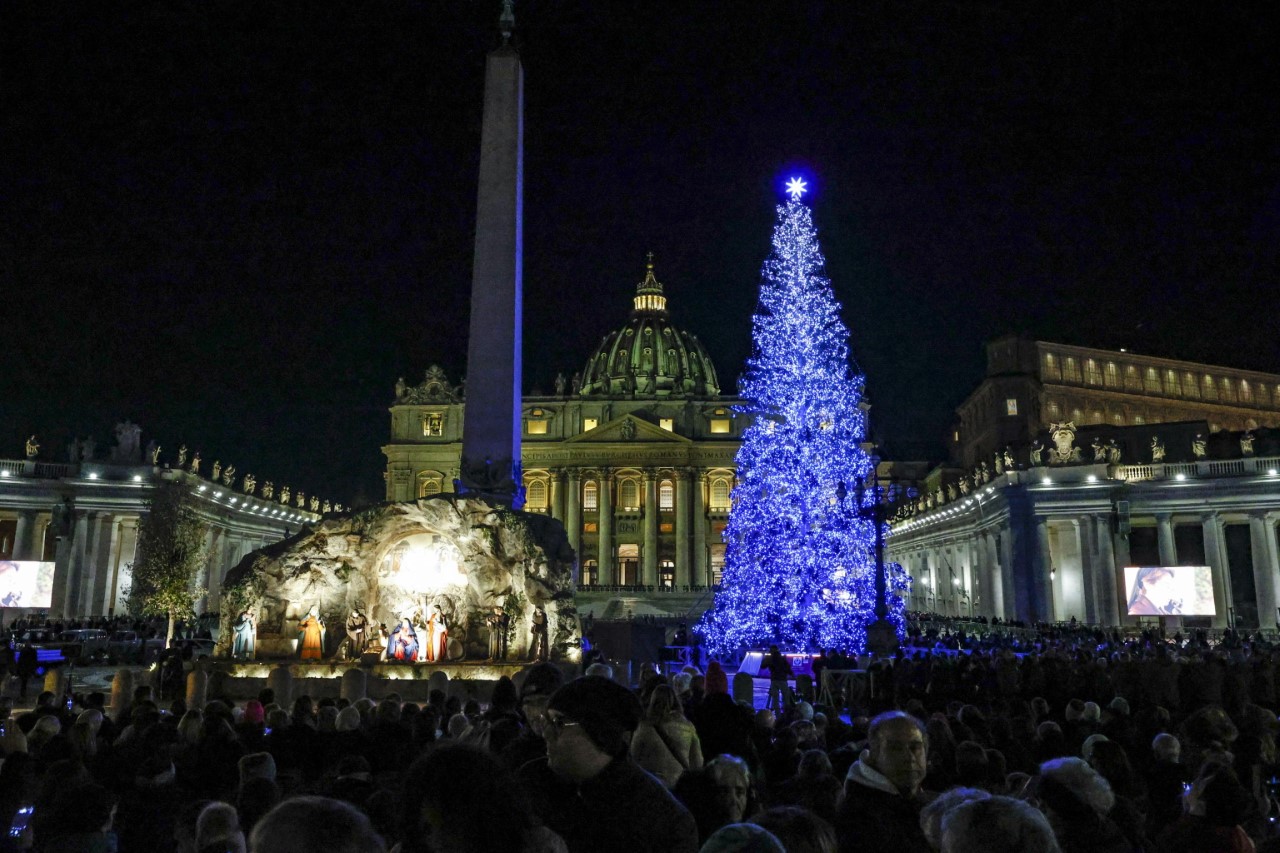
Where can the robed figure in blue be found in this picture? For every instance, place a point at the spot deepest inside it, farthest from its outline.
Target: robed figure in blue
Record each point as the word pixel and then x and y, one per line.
pixel 404 641
pixel 244 642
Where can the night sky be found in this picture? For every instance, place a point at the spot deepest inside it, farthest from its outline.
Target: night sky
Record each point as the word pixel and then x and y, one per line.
pixel 236 223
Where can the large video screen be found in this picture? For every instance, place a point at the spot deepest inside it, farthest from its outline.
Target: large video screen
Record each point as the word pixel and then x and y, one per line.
pixel 26 583
pixel 1169 590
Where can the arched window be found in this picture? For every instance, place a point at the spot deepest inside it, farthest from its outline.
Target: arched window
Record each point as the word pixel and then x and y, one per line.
pixel 628 496
pixel 590 496
pixel 429 487
pixel 666 496
pixel 536 495
pixel 720 493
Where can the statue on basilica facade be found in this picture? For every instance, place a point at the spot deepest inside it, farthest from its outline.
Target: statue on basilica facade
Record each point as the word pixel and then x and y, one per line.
pixel 1113 452
pixel 575 384
pixel 285 494
pixel 217 470
pixel 998 461
pixel 1036 456
pixel 1099 451
pixel 195 463
pixel 153 452
pixel 182 456
pixel 229 475
pixel 1157 450
pixel 301 500
pixel 937 496
pixel 400 388
pixel 560 383
pixel 326 508
pixel 951 492
pixel 1246 443
pixel 1199 446
pixel 268 490
pixel 1008 458
pixel 250 483
pixel 126 451
pixel 337 507
pixel 33 447
pixel 315 504
pixel 984 472
pixel 1064 451
pixel 964 484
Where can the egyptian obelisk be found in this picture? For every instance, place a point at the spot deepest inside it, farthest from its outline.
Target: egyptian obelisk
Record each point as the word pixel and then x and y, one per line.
pixel 490 466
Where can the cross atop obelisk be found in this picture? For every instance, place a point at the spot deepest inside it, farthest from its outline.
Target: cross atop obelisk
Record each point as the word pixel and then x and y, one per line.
pixel 490 466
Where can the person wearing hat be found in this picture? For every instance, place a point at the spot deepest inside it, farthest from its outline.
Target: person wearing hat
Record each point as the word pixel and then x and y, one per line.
pixel 539 683
pixel 588 790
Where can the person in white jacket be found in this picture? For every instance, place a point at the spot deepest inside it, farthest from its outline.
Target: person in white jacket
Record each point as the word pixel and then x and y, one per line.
pixel 665 743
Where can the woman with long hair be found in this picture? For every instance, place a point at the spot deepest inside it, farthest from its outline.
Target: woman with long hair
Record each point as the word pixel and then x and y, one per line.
pixel 665 743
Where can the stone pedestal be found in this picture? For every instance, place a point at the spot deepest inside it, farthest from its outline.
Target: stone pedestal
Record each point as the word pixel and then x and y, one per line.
pixel 55 681
pixel 280 680
pixel 197 688
pixel 217 686
pixel 355 684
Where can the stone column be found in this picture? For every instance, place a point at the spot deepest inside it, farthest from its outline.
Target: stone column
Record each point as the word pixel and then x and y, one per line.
pixel 650 556
pixel 1041 566
pixel 1168 549
pixel 604 518
pixel 1082 529
pixel 557 495
pixel 700 573
pixel 1211 524
pixel 24 537
pixel 121 570
pixel 99 563
pixel 1105 571
pixel 68 570
pixel 1005 550
pixel 491 418
pixel 1264 568
pixel 683 569
pixel 573 513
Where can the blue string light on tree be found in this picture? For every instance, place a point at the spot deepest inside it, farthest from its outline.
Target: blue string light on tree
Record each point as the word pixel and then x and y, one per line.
pixel 800 553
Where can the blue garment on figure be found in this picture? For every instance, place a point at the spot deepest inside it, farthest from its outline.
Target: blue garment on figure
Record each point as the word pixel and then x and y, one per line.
pixel 406 642
pixel 242 646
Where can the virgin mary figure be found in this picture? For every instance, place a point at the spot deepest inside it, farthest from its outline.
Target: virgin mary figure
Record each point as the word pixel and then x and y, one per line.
pixel 404 641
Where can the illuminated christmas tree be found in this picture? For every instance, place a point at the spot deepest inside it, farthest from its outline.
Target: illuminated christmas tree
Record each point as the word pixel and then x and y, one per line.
pixel 800 546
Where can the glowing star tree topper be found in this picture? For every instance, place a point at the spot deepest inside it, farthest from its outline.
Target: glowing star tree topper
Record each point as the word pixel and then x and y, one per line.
pixel 800 555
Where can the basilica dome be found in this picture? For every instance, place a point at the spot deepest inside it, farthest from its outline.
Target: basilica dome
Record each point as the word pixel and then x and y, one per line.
pixel 649 357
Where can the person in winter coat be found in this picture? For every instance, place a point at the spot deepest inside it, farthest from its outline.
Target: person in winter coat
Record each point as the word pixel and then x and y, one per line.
pixel 665 743
pixel 880 812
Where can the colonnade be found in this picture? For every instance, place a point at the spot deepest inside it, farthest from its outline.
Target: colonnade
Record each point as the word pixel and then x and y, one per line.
pixel 1055 566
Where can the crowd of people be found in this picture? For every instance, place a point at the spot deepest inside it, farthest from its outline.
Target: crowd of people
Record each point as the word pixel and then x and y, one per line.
pixel 1084 742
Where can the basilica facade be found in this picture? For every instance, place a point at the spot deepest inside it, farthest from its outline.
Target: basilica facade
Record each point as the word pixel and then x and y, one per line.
pixel 634 455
